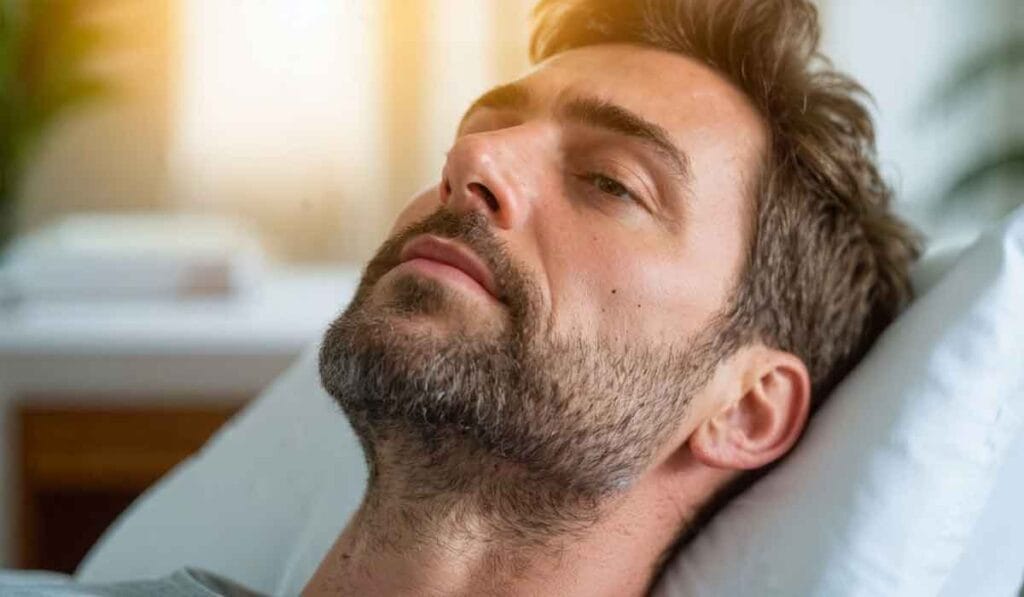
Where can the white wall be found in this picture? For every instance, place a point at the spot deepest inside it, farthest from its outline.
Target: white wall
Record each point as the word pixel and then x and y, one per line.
pixel 277 117
pixel 902 51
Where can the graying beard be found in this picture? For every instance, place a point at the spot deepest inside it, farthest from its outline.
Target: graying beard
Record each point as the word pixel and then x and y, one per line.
pixel 538 437
pixel 537 430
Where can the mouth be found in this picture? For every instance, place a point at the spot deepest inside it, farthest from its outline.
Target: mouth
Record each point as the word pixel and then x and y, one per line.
pixel 451 260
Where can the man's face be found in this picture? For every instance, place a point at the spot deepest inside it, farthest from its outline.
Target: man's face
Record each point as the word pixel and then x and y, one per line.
pixel 552 298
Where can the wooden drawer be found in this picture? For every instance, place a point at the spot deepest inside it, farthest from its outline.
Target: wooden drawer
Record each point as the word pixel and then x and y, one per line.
pixel 80 463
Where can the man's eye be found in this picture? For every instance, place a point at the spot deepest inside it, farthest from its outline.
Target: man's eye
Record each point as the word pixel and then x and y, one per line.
pixel 610 186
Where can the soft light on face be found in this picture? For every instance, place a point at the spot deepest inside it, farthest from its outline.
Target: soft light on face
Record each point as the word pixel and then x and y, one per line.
pixel 621 242
pixel 608 192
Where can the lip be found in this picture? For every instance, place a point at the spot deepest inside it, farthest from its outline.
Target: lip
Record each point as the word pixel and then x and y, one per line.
pixel 452 254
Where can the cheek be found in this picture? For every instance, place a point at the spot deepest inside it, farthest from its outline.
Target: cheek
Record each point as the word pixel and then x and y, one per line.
pixel 420 206
pixel 600 289
pixel 615 285
pixel 659 301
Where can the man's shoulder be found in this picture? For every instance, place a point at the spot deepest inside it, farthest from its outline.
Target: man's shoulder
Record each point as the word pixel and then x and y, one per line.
pixel 184 582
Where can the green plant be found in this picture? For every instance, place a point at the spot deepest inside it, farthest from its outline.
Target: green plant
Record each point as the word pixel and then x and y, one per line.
pixel 44 48
pixel 1006 159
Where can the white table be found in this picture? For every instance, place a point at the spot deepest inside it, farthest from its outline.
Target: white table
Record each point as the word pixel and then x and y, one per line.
pixel 165 353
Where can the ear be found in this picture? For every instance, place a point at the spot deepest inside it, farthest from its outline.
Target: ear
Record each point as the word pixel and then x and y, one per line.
pixel 764 419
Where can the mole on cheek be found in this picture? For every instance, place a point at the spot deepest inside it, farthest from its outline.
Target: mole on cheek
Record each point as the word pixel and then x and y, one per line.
pixel 614 290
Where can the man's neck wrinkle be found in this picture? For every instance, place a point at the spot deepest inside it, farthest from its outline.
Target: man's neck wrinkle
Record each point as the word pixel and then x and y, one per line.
pixel 431 525
pixel 394 548
pixel 461 489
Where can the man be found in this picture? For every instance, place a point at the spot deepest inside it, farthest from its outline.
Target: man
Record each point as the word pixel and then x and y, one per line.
pixel 644 265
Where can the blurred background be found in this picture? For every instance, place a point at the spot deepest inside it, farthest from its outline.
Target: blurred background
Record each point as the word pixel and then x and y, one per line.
pixel 189 187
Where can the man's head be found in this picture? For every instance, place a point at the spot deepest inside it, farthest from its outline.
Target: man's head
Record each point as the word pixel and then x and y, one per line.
pixel 657 250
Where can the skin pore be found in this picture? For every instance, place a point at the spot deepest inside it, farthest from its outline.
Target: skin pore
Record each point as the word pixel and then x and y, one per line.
pixel 617 178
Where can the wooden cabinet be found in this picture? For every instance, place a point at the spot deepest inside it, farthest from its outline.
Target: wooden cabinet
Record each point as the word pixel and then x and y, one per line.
pixel 81 463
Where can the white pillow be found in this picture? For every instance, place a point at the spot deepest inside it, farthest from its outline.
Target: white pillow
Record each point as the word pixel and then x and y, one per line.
pixel 993 562
pixel 882 494
pixel 878 499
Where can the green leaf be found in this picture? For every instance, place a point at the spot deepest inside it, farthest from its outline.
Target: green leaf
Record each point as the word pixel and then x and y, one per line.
pixel 12 33
pixel 71 94
pixel 1003 57
pixel 44 46
pixel 1009 163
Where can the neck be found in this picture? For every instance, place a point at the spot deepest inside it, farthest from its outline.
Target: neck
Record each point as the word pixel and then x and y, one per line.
pixel 504 537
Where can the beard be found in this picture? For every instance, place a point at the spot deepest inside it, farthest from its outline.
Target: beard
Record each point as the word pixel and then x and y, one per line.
pixel 500 402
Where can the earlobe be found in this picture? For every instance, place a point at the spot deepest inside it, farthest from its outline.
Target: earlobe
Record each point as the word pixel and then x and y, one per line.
pixel 763 422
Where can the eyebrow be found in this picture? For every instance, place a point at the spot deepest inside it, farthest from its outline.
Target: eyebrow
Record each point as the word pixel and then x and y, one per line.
pixel 592 112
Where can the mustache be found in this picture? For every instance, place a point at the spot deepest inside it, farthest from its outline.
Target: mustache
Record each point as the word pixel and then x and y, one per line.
pixel 473 229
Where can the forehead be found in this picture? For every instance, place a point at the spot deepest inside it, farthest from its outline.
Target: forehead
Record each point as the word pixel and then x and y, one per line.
pixel 673 89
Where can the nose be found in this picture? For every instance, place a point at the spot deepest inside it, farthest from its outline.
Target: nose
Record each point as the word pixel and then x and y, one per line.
pixel 491 172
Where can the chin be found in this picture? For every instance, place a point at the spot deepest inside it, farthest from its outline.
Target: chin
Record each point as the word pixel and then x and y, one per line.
pixel 419 303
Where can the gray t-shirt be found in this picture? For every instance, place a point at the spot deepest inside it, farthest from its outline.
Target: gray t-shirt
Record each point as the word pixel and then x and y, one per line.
pixel 185 582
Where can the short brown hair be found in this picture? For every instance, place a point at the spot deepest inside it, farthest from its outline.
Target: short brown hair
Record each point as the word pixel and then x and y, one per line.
pixel 827 264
